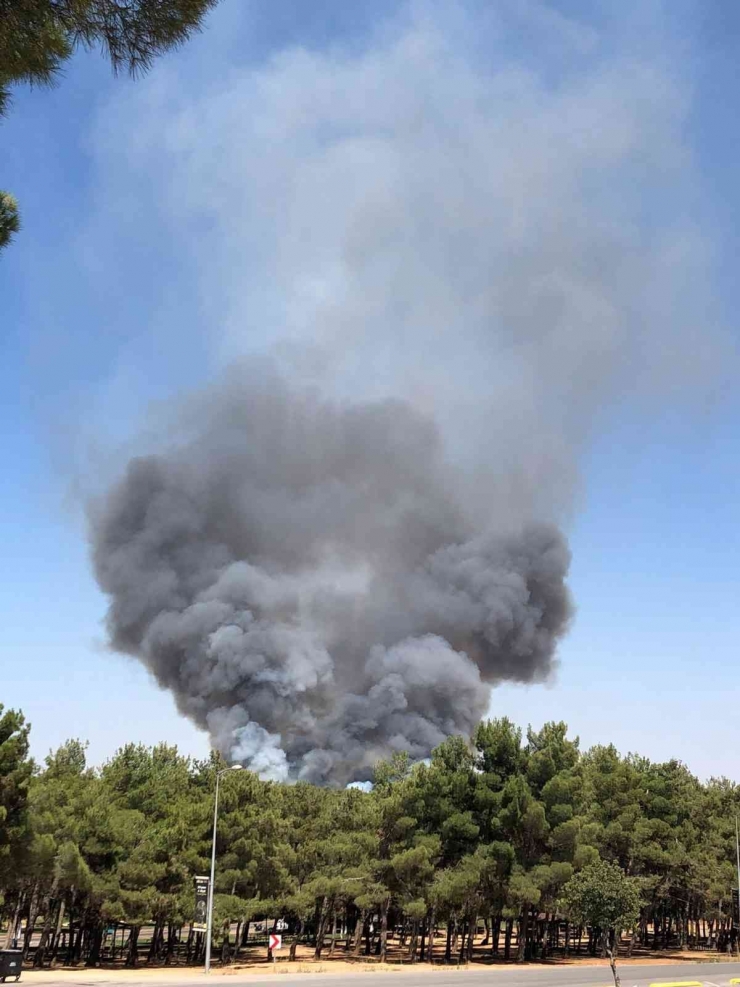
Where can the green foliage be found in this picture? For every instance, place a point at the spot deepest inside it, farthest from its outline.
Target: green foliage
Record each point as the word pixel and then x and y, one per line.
pixel 501 829
pixel 15 775
pixel 9 219
pixel 499 744
pixel 601 896
pixel 38 36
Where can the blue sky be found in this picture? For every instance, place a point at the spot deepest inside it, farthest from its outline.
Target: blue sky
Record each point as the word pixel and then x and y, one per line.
pixel 121 290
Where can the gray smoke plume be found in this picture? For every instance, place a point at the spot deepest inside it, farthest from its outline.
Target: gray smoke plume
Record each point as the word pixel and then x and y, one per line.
pixel 306 579
pixel 470 248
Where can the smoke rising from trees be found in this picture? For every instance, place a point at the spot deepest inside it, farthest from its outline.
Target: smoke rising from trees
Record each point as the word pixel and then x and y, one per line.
pixel 337 554
pixel 303 577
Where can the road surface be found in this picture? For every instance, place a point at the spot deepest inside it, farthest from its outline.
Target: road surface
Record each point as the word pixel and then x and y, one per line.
pixel 708 974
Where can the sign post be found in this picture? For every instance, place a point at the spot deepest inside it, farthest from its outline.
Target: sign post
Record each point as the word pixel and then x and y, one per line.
pixel 200 918
pixel 274 942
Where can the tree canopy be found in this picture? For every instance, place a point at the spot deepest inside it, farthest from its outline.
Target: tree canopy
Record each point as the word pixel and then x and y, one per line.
pixel 547 846
pixel 38 36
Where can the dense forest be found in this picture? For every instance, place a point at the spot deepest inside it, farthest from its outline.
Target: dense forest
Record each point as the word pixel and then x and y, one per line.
pixel 481 848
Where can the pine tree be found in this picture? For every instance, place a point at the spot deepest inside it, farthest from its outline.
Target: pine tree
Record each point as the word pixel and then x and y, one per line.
pixel 38 36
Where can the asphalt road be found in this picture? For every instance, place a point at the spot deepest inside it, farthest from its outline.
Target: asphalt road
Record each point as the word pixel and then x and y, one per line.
pixel 708 974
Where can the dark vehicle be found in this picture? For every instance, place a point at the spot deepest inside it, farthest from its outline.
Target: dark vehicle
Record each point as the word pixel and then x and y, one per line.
pixel 11 961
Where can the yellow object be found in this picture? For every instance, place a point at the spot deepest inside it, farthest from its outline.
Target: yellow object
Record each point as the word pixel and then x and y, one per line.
pixel 681 983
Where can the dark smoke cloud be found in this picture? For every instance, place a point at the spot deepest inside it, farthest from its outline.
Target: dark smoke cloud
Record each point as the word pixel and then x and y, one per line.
pixel 474 249
pixel 308 580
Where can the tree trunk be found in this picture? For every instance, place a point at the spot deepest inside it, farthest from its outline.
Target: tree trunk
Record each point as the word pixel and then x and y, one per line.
pixel 171 944
pixel 93 958
pixel 321 929
pixel 57 932
pixel 133 943
pixel 61 944
pixel 633 938
pixel 226 945
pixel 38 956
pixel 472 928
pixel 359 929
pixel 152 954
pixel 495 934
pixel 75 941
pixel 448 944
pixel 612 960
pixel 33 912
pixel 384 929
pixel 432 930
pixel 414 940
pixel 522 936
pixel 463 942
pixel 294 944
pixel 507 938
pixel 13 926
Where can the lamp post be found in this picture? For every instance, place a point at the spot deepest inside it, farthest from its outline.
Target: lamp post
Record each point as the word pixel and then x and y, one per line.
pixel 209 919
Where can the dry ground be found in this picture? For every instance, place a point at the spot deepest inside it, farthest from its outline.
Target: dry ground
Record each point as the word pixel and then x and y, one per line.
pixel 255 962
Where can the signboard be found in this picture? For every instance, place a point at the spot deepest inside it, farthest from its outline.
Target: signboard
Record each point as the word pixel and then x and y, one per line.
pixel 201 904
pixel 276 941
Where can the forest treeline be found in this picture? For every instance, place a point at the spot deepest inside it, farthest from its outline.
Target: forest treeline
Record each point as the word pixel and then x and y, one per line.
pixel 489 834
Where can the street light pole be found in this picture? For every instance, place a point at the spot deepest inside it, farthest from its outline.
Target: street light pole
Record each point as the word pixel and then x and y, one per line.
pixel 209 919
